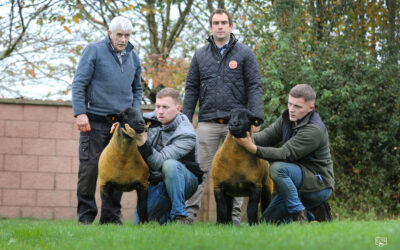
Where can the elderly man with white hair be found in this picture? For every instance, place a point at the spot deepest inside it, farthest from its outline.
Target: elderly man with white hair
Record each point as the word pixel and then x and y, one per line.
pixel 106 81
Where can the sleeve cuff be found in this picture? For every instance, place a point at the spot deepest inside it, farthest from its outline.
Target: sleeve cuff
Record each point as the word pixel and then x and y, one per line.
pixel 145 150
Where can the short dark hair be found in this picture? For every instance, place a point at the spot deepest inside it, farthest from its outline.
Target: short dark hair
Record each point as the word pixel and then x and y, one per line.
pixel 305 91
pixel 171 93
pixel 221 11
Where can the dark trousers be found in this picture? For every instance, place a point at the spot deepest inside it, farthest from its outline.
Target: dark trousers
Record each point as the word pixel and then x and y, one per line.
pixel 91 144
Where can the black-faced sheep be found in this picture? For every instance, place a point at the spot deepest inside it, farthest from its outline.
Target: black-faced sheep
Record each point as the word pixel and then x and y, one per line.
pixel 236 172
pixel 121 166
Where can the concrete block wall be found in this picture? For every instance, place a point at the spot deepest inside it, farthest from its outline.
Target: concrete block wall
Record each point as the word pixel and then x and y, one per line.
pixel 39 163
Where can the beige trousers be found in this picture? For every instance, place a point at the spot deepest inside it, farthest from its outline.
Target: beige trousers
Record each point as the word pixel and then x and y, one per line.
pixel 210 137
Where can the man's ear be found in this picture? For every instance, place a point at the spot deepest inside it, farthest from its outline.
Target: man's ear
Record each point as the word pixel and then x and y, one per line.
pixel 153 122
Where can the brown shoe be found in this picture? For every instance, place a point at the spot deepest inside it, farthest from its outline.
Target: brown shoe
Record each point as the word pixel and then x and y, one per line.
pixel 300 216
pixel 181 220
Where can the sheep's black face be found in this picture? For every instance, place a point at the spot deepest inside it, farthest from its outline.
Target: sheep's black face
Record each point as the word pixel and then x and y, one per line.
pixel 133 117
pixel 239 122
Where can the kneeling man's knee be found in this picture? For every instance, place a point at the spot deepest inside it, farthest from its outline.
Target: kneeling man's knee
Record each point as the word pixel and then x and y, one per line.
pixel 276 169
pixel 170 168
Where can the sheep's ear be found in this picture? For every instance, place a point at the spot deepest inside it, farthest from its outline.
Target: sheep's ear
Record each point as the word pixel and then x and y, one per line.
pixel 153 122
pixel 256 121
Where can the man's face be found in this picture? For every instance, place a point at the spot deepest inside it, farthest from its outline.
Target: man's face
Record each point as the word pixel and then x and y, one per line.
pixel 220 28
pixel 299 108
pixel 119 39
pixel 167 109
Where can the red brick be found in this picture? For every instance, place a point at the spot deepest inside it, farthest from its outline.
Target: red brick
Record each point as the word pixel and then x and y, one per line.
pixel 74 199
pixel 21 163
pixel 10 212
pixel 10 180
pixel 75 164
pixel 39 146
pixel 38 212
pixel 128 214
pixel 53 198
pixel 2 127
pixel 22 129
pixel 40 113
pixel 1 197
pixel 10 145
pixel 75 132
pixel 66 181
pixel 37 181
pixel 67 147
pixel 64 213
pixel 1 162
pixel 58 130
pixel 11 112
pixel 55 164
pixel 20 197
pixel 129 199
pixel 65 114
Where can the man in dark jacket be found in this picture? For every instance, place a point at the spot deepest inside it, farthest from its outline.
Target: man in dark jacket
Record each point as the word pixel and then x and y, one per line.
pixel 106 81
pixel 223 75
pixel 301 168
pixel 171 151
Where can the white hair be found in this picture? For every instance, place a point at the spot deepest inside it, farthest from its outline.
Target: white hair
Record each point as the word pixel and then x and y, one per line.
pixel 120 22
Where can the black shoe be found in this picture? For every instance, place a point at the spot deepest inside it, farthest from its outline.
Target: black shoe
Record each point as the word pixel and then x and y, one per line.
pixel 300 216
pixel 116 221
pixel 322 212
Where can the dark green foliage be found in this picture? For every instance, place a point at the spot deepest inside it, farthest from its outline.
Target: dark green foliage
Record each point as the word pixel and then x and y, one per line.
pixel 357 86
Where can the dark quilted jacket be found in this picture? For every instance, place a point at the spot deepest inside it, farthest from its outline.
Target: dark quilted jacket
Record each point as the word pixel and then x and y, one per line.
pixel 222 83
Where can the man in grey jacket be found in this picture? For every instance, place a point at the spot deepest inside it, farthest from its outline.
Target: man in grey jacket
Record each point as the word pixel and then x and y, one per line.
pixel 171 153
pixel 106 81
pixel 223 75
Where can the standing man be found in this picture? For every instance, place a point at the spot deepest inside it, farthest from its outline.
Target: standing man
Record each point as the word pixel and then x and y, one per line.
pixel 171 153
pixel 223 75
pixel 301 168
pixel 107 81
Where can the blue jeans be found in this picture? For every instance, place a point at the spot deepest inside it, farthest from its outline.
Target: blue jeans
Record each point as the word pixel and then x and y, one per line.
pixel 167 198
pixel 287 178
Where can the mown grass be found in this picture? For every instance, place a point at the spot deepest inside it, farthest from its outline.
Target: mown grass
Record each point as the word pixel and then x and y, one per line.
pixel 44 234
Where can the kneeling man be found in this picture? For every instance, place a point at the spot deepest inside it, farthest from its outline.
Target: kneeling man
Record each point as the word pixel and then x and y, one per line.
pixel 301 165
pixel 171 153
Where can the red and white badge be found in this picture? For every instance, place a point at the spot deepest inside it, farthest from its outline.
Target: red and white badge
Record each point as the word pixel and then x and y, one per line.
pixel 233 64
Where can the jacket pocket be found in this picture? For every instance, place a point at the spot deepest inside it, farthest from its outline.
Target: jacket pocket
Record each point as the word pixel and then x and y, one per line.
pixel 84 147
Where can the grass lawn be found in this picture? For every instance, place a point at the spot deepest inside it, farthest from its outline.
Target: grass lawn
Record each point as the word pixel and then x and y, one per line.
pixel 344 235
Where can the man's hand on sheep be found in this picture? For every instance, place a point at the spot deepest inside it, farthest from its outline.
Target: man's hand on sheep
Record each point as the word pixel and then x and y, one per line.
pixel 139 138
pixel 247 143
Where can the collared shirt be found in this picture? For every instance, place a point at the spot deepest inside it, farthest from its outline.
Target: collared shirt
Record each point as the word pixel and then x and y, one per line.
pixel 120 54
pixel 223 48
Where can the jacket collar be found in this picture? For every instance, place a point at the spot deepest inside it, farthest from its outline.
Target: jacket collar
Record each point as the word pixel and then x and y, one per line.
pixel 300 123
pixel 232 40
pixel 172 126
pixel 128 48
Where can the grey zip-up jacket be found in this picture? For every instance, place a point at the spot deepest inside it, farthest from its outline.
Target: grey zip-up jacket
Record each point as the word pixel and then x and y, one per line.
pixel 176 141
pixel 102 85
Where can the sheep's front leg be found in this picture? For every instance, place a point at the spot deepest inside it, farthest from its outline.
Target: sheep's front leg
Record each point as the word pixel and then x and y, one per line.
pixel 142 193
pixel 222 206
pixel 252 206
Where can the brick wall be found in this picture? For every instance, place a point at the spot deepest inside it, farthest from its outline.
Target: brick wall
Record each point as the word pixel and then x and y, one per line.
pixel 39 163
